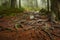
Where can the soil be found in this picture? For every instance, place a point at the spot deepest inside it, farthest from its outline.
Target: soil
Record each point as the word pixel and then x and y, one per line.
pixel 28 31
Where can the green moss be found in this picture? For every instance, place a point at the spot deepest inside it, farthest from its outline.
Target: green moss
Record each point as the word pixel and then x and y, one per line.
pixel 10 11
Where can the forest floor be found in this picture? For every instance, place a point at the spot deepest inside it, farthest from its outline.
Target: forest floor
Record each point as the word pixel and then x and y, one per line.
pixel 28 26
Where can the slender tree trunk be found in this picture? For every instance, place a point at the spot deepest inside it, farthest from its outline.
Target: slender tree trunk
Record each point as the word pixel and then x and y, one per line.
pixel 48 5
pixel 13 3
pixel 55 8
pixel 36 4
pixel 19 3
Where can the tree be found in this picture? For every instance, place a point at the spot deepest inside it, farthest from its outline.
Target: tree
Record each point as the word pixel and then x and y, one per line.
pixel 20 3
pixel 48 5
pixel 55 8
pixel 13 3
pixel 36 3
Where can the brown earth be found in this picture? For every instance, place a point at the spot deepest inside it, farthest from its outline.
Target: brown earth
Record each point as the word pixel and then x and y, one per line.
pixel 27 32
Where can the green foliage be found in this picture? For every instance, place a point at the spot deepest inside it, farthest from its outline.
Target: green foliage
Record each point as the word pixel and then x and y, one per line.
pixel 36 9
pixel 31 8
pixel 43 12
pixel 21 9
pixel 10 11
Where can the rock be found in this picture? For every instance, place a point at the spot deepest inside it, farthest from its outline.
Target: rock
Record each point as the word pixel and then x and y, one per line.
pixel 31 16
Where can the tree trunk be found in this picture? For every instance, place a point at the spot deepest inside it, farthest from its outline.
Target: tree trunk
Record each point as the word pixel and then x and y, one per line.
pixel 19 3
pixel 13 3
pixel 48 5
pixel 55 8
pixel 36 4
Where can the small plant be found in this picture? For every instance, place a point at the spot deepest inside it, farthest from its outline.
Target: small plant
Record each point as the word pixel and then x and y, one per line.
pixel 10 11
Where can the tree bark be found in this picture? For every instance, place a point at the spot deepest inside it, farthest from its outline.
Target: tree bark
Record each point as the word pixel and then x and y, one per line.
pixel 55 8
pixel 19 3
pixel 13 3
pixel 36 4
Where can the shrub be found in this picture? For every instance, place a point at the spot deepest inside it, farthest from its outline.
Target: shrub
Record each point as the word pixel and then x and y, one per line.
pixel 10 11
